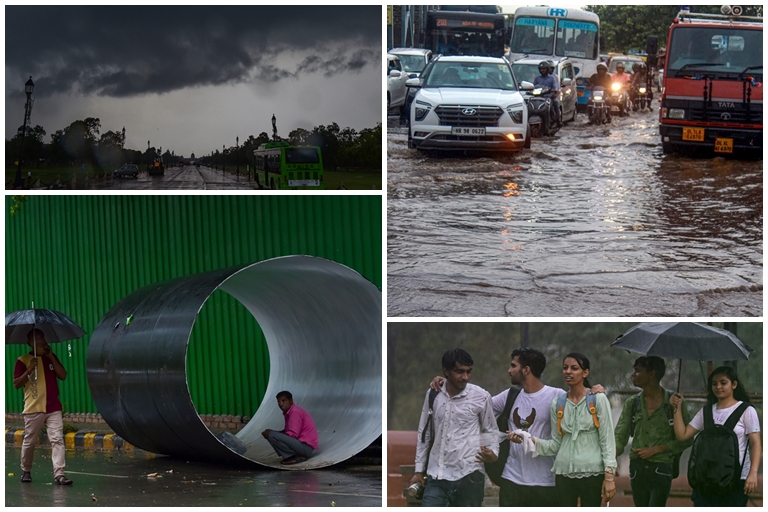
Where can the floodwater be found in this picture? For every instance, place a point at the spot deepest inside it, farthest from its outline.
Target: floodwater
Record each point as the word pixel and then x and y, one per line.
pixel 595 221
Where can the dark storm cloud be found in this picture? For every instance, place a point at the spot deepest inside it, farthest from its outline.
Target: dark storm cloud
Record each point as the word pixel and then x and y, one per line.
pixel 134 50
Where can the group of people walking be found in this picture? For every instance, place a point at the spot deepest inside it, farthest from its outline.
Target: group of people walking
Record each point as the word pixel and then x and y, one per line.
pixel 563 444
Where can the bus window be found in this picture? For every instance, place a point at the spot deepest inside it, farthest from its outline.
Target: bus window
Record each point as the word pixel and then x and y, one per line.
pixel 533 35
pixel 576 39
pixel 301 156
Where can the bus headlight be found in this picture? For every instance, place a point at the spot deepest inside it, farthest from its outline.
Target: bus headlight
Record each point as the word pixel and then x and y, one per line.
pixel 422 109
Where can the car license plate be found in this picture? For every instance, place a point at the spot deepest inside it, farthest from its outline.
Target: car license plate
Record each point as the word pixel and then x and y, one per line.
pixel 695 134
pixel 458 130
pixel 303 183
pixel 723 145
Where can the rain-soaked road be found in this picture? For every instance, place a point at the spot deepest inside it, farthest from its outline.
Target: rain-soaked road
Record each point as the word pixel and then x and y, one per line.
pixel 187 177
pixel 595 221
pixel 109 479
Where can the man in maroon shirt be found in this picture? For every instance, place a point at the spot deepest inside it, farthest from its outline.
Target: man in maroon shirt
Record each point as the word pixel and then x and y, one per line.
pixel 39 377
pixel 298 440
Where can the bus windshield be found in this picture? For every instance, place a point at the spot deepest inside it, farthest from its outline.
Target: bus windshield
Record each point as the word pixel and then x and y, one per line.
pixel 301 156
pixel 576 39
pixel 533 35
pixel 465 33
pixel 716 50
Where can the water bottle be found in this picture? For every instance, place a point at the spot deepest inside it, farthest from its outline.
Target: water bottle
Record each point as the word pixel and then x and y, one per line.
pixel 416 491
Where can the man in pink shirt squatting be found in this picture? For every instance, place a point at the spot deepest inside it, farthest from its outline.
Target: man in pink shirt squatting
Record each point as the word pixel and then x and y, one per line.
pixel 298 440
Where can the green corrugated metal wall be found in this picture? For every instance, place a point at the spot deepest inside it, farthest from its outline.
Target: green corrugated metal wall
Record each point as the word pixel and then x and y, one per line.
pixel 81 254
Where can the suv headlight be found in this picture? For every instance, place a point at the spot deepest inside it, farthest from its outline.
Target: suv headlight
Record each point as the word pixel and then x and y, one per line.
pixel 422 109
pixel 515 111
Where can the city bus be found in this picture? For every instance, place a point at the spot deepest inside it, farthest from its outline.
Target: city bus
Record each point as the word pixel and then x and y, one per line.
pixel 281 166
pixel 465 33
pixel 554 33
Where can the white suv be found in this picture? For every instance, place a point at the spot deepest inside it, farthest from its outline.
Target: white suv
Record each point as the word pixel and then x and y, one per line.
pixel 467 102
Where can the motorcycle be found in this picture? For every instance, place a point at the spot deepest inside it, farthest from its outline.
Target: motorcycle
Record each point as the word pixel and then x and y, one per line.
pixel 597 108
pixel 540 118
pixel 642 98
pixel 619 99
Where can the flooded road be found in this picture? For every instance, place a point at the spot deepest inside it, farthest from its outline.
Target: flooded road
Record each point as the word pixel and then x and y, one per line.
pixel 595 221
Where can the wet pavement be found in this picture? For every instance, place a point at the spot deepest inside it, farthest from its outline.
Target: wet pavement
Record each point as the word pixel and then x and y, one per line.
pixel 139 479
pixel 188 177
pixel 595 221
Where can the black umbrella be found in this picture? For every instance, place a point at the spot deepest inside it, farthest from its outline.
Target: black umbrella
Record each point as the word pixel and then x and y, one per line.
pixel 683 340
pixel 55 325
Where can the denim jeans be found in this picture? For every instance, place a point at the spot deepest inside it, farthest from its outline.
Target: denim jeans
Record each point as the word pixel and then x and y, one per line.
pixel 651 482
pixel 466 492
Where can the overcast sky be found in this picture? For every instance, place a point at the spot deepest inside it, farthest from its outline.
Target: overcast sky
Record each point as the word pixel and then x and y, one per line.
pixel 192 78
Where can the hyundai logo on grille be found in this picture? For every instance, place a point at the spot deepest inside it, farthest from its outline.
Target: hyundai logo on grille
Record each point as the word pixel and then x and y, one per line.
pixel 725 116
pixel 469 111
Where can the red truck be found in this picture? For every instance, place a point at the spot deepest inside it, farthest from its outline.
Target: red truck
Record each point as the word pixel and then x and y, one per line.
pixel 712 93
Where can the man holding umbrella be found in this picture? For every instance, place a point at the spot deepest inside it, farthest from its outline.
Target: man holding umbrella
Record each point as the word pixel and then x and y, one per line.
pixel 38 373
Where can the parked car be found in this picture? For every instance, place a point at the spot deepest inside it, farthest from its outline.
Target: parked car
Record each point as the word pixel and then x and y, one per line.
pixel 126 171
pixel 526 70
pixel 396 78
pixel 414 60
pixel 467 103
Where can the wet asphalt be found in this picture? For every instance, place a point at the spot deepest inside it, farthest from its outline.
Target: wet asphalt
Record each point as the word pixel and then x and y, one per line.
pixel 114 479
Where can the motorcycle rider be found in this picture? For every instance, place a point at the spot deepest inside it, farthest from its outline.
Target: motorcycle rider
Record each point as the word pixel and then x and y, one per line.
pixel 604 80
pixel 639 79
pixel 620 76
pixel 547 80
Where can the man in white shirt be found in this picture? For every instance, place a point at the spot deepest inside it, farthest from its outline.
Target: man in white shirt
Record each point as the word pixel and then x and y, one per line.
pixel 528 481
pixel 461 412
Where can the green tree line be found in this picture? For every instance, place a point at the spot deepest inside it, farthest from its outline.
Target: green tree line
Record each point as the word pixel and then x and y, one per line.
pixel 414 352
pixel 625 27
pixel 82 144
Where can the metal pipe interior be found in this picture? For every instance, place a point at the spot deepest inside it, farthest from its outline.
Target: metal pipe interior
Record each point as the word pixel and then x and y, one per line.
pixel 322 324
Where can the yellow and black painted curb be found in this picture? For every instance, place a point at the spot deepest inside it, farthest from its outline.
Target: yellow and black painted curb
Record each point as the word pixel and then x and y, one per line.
pixel 75 440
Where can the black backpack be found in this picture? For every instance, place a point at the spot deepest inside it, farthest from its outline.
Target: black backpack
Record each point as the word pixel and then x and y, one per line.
pixel 670 410
pixel 714 468
pixel 494 469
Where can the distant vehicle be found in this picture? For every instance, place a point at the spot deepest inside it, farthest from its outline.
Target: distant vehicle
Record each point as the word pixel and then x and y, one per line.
pixel 712 93
pixel 396 78
pixel 628 60
pixel 126 171
pixel 467 103
pixel 414 60
pixel 552 33
pixel 528 69
pixel 157 167
pixel 281 166
pixel 465 33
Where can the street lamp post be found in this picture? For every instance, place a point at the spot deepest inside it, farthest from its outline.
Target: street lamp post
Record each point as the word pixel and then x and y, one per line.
pixel 223 148
pixel 237 157
pixel 29 87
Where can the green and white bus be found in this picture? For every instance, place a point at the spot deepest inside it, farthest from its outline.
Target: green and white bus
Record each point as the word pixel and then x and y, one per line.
pixel 281 166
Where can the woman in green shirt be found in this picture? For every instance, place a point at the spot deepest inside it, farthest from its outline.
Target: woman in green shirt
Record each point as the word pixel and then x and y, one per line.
pixel 582 440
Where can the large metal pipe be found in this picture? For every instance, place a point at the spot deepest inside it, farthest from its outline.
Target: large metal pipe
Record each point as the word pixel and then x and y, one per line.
pixel 322 324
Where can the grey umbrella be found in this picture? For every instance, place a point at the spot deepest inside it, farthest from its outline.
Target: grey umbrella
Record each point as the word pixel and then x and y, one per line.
pixel 683 340
pixel 55 325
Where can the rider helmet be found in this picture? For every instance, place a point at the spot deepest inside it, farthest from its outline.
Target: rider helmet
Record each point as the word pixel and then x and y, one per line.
pixel 543 65
pixel 619 65
pixel 602 66
pixel 636 66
